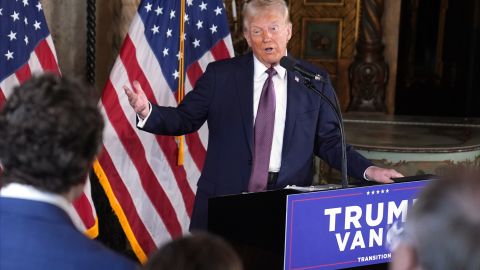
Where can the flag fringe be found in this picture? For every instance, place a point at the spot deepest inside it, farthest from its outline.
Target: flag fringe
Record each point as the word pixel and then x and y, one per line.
pixel 102 177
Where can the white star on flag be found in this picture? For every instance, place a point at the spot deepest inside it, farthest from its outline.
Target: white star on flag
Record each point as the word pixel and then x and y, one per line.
pixel 12 35
pixel 37 25
pixel 9 55
pixel 196 43
pixel 15 16
pixel 148 7
pixel 155 29
pixel 213 28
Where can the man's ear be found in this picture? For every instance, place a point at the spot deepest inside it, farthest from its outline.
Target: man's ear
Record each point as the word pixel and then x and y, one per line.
pixel 289 31
pixel 404 257
pixel 247 38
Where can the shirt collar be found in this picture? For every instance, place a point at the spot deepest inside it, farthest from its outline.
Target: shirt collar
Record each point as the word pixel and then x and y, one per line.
pixel 26 192
pixel 259 69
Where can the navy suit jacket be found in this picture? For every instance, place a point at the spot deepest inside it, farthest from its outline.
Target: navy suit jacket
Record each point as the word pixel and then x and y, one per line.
pixel 223 97
pixel 38 235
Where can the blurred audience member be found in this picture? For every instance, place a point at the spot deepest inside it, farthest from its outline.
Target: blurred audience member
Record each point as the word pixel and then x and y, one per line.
pixel 200 251
pixel 51 130
pixel 442 232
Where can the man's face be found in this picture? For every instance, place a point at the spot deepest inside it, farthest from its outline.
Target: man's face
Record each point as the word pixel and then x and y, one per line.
pixel 268 33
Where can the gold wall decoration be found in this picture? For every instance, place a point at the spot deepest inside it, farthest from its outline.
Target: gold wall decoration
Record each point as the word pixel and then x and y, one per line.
pixel 315 22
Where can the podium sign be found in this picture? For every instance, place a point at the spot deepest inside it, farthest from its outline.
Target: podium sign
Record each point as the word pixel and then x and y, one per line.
pixel 347 227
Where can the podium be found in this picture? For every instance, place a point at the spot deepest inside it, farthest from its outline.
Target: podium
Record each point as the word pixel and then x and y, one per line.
pixel 276 229
pixel 254 223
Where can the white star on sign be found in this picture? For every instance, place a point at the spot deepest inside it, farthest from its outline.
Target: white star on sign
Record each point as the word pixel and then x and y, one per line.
pixel 165 52
pixel 1 9
pixel 189 2
pixel 26 40
pixel 218 11
pixel 186 18
pixel 175 74
pixel 172 14
pixel 25 21
pixel 25 3
pixel 203 6
pixel 199 24
pixel 169 33
pixel 39 6
pixel 159 10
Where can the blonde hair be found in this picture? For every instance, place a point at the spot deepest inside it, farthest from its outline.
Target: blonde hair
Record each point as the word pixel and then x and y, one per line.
pixel 251 8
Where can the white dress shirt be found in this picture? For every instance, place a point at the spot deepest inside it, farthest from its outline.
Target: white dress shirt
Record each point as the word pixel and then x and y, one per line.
pixel 280 85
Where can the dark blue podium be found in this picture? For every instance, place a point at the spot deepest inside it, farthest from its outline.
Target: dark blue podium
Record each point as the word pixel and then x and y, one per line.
pixel 326 228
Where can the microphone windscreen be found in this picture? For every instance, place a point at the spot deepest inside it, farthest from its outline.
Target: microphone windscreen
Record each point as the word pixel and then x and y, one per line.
pixel 288 63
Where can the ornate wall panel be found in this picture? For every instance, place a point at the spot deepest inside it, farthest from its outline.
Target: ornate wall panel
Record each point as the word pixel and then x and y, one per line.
pixel 324 33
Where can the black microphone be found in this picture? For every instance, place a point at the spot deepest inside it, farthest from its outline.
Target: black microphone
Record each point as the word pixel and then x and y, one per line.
pixel 291 64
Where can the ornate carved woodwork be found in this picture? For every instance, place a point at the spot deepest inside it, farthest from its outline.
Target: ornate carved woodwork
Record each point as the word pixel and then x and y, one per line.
pixel 368 74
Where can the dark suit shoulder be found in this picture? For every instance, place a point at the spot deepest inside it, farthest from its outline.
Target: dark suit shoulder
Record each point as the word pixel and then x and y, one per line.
pixel 236 62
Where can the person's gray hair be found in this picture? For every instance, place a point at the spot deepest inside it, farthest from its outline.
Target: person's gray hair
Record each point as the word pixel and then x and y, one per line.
pixel 251 8
pixel 444 224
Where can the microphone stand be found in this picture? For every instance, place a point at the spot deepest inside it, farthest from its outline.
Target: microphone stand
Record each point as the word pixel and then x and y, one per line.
pixel 336 108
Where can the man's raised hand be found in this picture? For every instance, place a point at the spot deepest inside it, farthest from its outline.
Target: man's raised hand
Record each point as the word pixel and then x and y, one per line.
pixel 137 99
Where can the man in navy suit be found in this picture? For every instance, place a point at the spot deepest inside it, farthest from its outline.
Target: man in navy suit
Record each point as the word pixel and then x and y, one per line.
pixel 228 97
pixel 51 130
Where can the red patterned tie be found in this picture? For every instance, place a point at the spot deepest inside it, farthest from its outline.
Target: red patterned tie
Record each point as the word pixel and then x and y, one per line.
pixel 263 133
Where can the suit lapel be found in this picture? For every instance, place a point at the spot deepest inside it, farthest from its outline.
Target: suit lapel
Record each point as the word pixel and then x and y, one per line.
pixel 244 86
pixel 294 104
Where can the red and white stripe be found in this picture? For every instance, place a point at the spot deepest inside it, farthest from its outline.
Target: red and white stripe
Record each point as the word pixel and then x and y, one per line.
pixel 152 196
pixel 44 59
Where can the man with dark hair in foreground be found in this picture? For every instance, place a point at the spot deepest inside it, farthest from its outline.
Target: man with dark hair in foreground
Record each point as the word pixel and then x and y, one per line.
pixel 51 130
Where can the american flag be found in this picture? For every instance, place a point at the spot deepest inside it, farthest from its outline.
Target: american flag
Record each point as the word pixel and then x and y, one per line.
pixel 26 48
pixel 150 193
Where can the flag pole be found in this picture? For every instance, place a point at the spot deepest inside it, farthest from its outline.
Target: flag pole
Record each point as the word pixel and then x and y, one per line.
pixel 181 79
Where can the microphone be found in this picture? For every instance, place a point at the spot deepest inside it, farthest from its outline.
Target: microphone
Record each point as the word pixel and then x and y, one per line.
pixel 291 64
